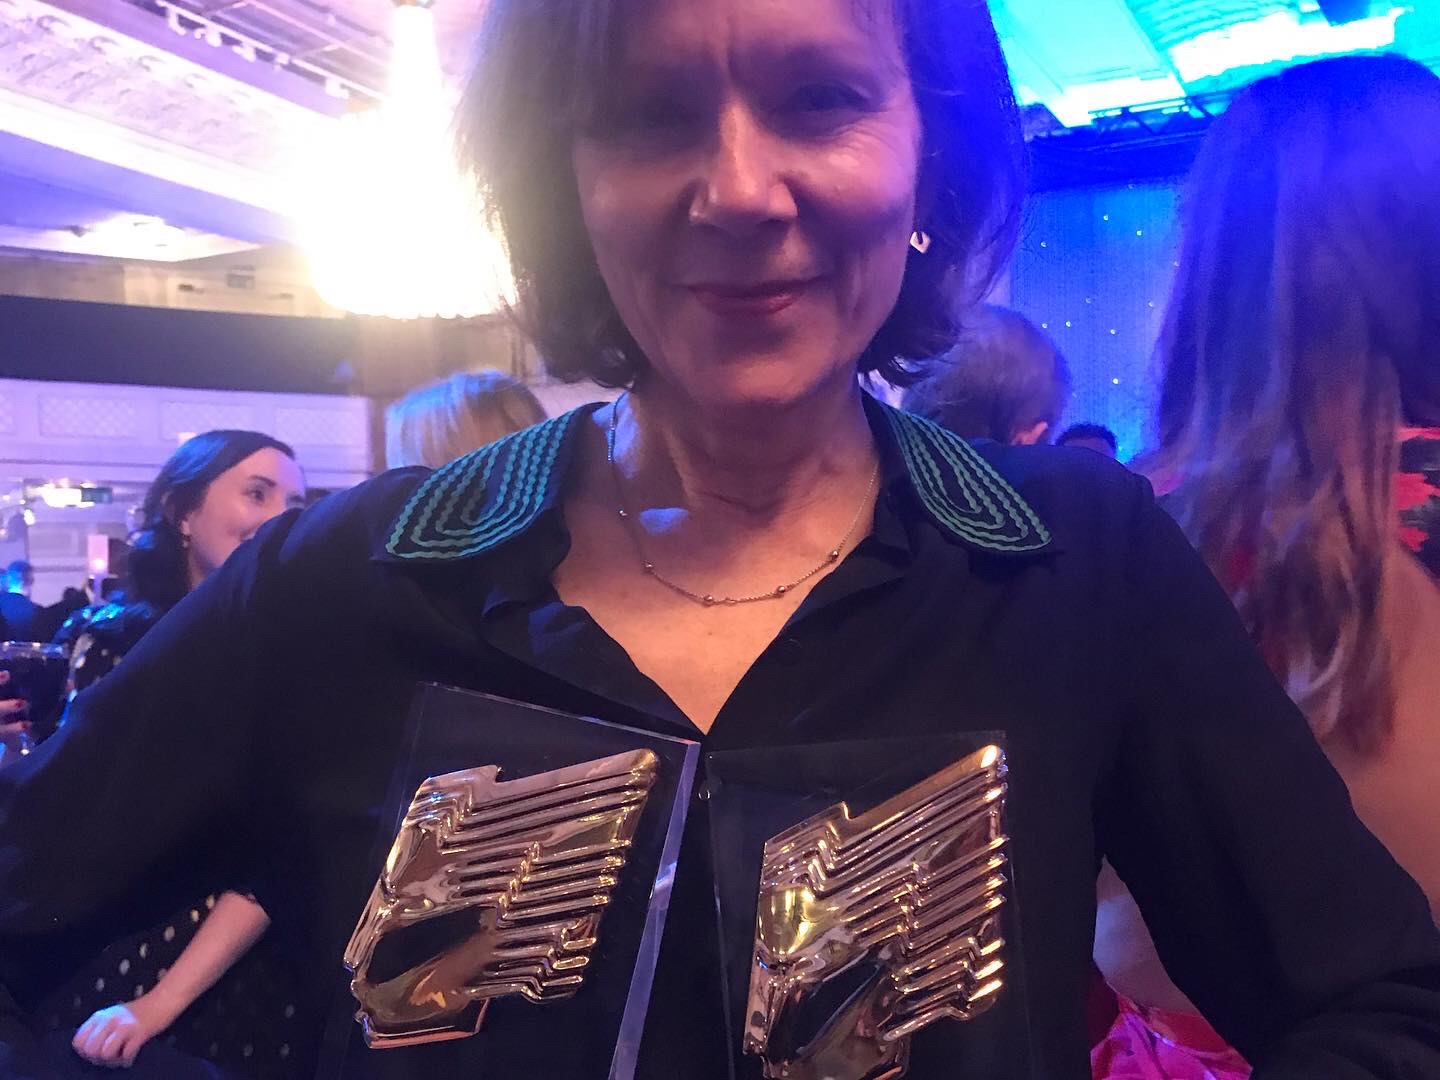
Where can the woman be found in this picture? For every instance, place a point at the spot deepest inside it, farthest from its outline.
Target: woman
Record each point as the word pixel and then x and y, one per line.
pixel 212 494
pixel 732 207
pixel 439 422
pixel 209 497
pixel 1005 381
pixel 1299 405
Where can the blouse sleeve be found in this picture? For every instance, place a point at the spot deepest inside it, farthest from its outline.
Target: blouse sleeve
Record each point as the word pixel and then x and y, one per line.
pixel 1271 905
pixel 152 769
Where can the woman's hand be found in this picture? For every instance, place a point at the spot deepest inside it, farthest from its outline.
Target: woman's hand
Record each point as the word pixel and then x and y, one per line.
pixel 113 1036
pixel 13 725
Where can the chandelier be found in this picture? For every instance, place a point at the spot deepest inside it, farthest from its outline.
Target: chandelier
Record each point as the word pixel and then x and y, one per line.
pixel 392 225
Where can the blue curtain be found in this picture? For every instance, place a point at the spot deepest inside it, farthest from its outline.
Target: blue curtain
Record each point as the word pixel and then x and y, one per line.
pixel 1093 268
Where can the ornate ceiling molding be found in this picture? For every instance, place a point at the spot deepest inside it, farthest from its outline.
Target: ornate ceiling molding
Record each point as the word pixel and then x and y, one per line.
pixel 71 83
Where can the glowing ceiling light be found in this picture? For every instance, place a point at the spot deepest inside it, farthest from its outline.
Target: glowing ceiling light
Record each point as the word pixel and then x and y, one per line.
pixel 1280 37
pixel 393 227
pixel 1077 105
pixel 60 496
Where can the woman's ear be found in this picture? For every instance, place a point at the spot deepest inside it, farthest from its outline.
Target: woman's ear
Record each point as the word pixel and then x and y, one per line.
pixel 1032 435
pixel 182 524
pixel 925 194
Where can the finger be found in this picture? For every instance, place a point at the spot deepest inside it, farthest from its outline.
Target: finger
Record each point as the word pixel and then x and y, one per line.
pixel 97 1038
pixel 132 1047
pixel 112 1046
pixel 87 1050
pixel 13 705
pixel 87 1030
pixel 82 1033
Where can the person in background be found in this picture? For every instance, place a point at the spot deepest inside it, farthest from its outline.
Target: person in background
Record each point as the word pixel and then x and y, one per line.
pixel 14 725
pixel 21 619
pixel 442 420
pixel 1005 380
pixel 71 601
pixel 1095 437
pixel 1299 428
pixel 212 494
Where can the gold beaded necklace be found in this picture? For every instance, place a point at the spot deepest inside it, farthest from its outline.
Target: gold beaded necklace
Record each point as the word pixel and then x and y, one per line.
pixel 709 599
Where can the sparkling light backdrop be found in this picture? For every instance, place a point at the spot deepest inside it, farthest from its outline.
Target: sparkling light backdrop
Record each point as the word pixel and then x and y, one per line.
pixel 1093 269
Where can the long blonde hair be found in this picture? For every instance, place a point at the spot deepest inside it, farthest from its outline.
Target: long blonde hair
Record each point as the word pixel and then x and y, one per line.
pixel 442 420
pixel 1303 328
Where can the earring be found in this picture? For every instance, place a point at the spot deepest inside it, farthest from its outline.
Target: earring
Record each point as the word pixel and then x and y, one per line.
pixel 920 241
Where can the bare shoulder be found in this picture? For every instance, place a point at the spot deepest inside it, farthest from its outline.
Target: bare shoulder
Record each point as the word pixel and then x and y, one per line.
pixel 1396 790
pixel 1414 613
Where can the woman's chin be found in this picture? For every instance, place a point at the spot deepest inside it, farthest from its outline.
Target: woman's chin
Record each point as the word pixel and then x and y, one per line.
pixel 763 382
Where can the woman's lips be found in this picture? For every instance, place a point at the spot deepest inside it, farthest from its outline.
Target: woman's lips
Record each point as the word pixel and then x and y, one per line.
pixel 766 298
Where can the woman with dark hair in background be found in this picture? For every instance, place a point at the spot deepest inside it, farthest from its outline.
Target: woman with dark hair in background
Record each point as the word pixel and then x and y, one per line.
pixel 1299 417
pixel 211 495
pixel 208 498
pixel 732 208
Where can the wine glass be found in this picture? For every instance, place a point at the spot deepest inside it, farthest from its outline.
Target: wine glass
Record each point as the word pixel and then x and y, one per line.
pixel 37 674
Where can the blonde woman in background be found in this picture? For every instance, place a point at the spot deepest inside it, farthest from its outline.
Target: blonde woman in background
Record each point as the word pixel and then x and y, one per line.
pixel 444 419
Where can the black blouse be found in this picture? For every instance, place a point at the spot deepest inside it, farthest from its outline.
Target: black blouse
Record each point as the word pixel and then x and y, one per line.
pixel 1039 591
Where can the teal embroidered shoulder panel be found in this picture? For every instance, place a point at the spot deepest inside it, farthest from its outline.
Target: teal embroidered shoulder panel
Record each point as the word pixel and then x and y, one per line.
pixel 962 491
pixel 479 501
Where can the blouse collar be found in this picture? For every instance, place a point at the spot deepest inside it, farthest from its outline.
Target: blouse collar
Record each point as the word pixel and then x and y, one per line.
pixel 482 501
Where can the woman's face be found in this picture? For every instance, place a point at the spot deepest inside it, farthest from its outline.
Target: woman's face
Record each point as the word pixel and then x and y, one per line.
pixel 237 503
pixel 749 190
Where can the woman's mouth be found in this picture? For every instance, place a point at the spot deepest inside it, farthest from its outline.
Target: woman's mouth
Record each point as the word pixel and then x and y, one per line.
pixel 750 300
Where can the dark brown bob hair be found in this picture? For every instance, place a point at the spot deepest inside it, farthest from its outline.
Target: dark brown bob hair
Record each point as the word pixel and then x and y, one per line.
pixel 540 69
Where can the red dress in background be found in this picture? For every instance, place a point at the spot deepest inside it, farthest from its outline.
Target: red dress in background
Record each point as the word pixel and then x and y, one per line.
pixel 1417 494
pixel 1162 1044
pixel 1159 1044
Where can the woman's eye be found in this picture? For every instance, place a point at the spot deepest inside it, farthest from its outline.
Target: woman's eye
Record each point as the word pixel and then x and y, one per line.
pixel 256 495
pixel 824 98
pixel 652 115
pixel 661 113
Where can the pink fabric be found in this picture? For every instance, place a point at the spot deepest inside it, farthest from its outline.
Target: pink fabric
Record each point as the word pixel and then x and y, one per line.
pixel 1154 1044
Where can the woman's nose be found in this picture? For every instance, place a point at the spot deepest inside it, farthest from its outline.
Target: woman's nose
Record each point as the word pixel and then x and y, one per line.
pixel 741 188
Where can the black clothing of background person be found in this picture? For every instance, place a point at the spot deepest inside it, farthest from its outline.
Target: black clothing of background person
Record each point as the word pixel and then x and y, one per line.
pixel 21 619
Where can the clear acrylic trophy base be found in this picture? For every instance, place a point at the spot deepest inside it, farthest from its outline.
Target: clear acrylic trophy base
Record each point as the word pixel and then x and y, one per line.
pixel 523 876
pixel 867 918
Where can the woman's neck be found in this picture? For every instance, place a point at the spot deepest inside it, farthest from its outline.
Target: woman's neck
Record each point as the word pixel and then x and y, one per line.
pixel 742 467
pixel 194 573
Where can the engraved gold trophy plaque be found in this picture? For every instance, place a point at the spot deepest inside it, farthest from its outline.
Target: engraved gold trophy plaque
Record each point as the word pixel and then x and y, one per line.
pixel 522 881
pixel 880 929
pixel 518 873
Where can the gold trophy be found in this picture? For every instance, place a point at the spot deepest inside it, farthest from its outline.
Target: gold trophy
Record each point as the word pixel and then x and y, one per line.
pixel 492 888
pixel 870 928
